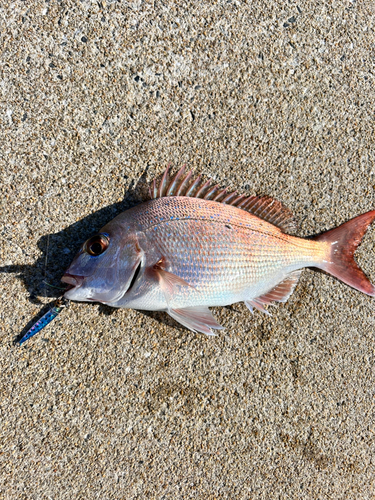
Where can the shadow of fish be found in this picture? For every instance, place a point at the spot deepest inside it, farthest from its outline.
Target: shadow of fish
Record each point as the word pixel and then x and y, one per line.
pixel 194 245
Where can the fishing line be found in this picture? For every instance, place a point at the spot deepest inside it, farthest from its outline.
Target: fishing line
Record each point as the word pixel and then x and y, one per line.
pixel 54 286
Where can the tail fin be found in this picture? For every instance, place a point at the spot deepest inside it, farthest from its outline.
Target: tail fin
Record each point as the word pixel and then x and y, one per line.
pixel 344 241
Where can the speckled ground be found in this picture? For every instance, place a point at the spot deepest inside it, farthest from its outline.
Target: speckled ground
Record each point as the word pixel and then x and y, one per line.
pixel 267 97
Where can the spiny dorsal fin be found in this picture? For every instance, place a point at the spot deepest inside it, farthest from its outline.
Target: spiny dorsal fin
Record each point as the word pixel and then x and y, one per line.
pixel 264 207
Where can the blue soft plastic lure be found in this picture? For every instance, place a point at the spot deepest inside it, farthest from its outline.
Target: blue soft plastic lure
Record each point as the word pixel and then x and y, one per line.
pixel 50 315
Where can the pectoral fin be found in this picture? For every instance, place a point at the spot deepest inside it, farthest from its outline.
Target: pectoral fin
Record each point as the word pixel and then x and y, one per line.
pixel 197 319
pixel 169 282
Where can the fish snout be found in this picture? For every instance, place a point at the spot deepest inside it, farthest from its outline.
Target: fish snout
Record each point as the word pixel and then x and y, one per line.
pixel 72 279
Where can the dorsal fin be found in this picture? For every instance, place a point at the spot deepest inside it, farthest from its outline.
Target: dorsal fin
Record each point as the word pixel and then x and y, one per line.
pixel 264 207
pixel 272 211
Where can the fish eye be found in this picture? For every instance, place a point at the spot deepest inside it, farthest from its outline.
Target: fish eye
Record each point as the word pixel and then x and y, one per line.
pixel 96 245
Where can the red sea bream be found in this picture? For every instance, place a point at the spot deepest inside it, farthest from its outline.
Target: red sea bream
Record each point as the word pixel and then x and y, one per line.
pixel 193 246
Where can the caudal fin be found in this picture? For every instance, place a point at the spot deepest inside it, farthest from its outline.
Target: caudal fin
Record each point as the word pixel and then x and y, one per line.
pixel 344 241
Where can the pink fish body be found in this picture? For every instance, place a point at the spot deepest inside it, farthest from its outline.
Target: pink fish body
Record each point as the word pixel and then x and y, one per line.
pixel 193 246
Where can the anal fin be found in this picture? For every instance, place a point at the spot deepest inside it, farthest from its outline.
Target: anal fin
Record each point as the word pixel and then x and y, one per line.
pixel 280 293
pixel 197 319
pixel 257 304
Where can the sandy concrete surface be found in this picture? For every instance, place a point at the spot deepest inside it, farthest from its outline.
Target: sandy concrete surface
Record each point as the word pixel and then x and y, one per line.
pixel 268 97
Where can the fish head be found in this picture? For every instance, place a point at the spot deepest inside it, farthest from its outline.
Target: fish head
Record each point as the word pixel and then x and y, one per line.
pixel 105 265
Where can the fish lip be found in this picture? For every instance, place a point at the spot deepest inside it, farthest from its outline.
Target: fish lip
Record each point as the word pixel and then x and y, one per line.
pixel 73 279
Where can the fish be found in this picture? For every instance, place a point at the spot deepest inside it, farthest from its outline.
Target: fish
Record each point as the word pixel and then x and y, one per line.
pixel 194 245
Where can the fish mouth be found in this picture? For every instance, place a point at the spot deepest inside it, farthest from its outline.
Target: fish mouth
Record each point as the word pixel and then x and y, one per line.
pixel 72 279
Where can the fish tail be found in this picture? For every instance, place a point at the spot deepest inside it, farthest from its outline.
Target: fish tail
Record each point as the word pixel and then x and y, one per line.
pixel 343 242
